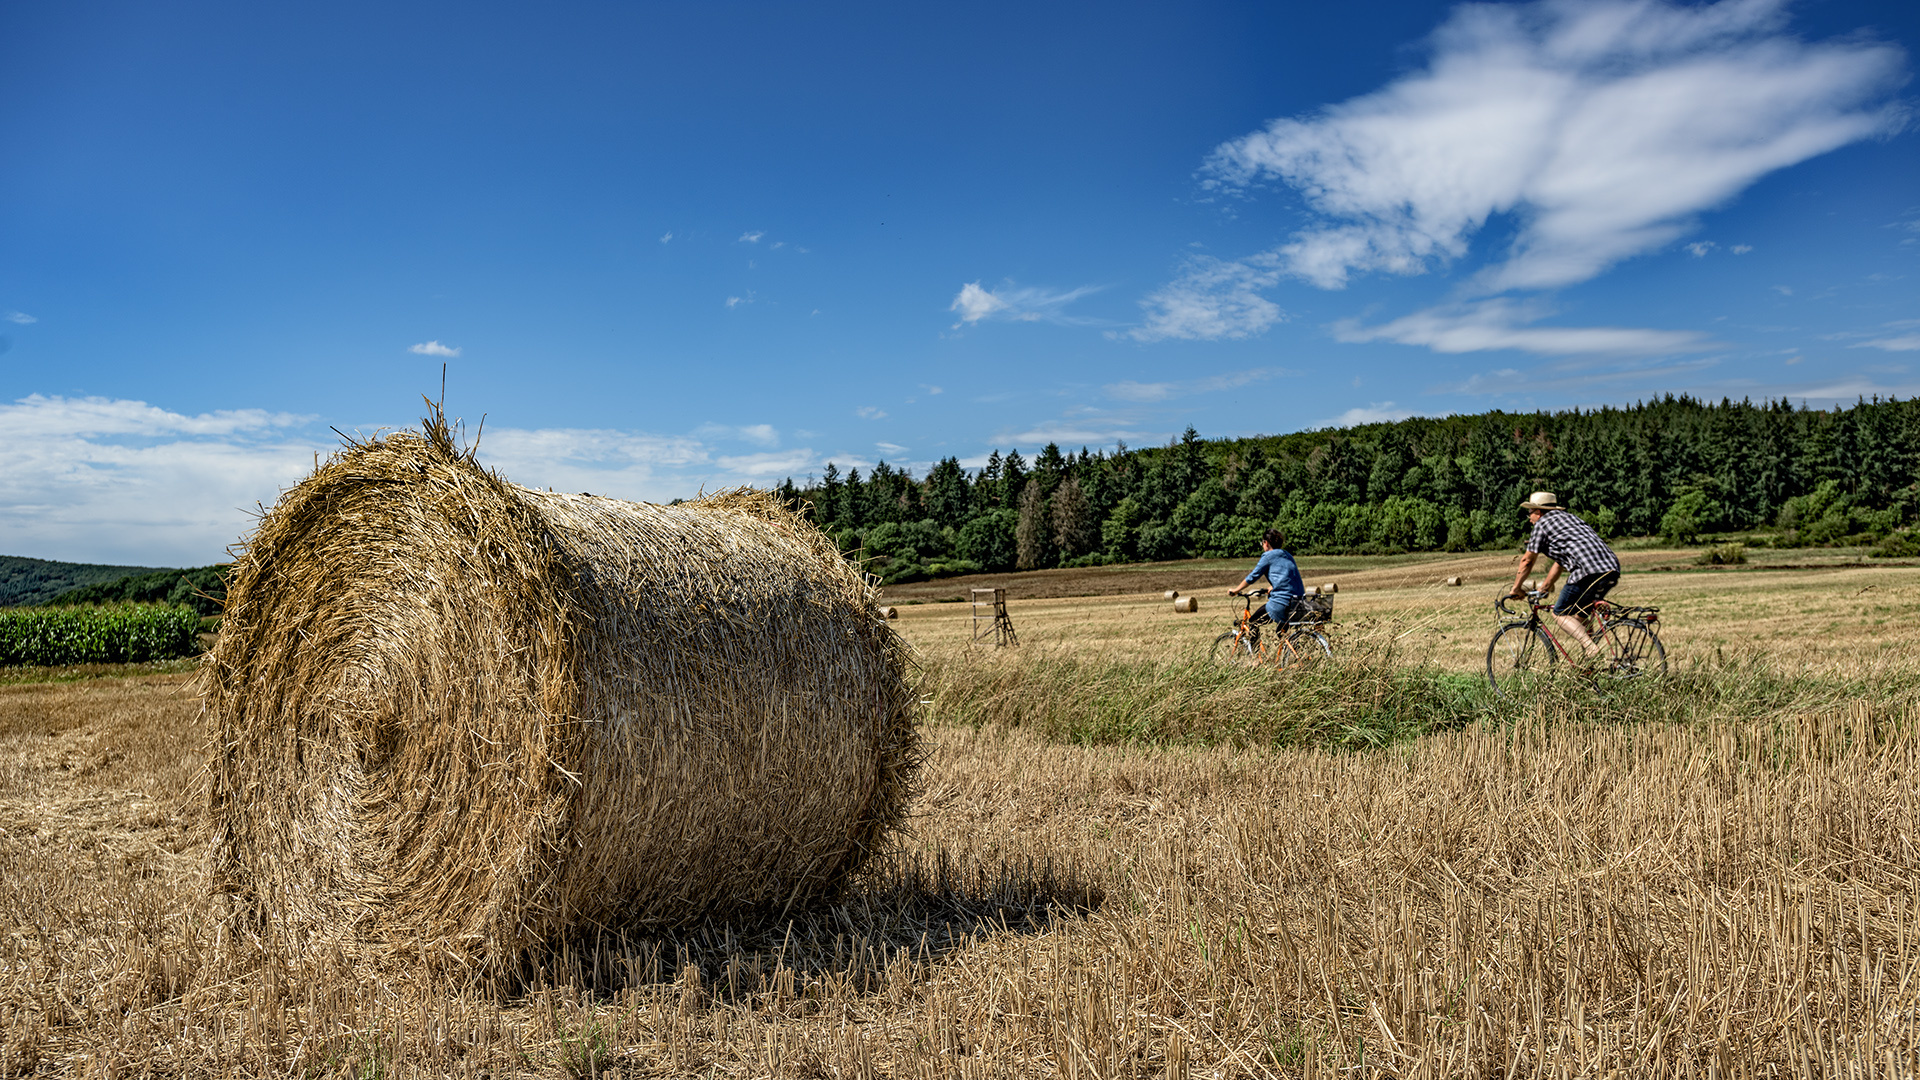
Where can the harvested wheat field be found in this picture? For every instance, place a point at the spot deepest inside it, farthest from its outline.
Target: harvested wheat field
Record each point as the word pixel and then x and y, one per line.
pixel 1125 863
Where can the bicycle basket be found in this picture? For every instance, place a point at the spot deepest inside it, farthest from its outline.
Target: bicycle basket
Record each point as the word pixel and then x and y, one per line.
pixel 1317 609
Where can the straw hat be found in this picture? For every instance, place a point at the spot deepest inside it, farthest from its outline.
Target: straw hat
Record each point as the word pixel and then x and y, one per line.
pixel 1542 500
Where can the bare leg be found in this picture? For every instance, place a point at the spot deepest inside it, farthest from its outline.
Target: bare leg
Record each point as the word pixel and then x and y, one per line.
pixel 1577 626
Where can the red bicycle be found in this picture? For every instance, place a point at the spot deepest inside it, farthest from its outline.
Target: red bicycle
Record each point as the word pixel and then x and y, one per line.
pixel 1525 652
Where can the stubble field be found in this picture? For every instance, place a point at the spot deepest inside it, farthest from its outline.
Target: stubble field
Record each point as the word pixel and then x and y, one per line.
pixel 1713 875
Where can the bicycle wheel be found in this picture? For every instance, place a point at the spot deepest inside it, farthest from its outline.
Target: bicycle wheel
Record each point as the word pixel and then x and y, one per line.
pixel 1231 648
pixel 1519 657
pixel 1632 650
pixel 1303 646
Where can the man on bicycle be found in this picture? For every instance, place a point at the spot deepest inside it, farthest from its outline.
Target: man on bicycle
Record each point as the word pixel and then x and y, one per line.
pixel 1591 567
pixel 1282 574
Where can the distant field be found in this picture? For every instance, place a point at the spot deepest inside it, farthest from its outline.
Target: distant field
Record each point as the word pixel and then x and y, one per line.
pixel 1799 605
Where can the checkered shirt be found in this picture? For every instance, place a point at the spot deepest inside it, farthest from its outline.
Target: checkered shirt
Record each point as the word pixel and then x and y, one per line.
pixel 1573 544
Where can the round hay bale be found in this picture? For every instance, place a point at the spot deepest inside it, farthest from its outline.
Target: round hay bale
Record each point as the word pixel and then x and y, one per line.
pixel 889 613
pixel 1171 594
pixel 1313 590
pixel 1329 588
pixel 1454 581
pixel 454 715
pixel 1186 604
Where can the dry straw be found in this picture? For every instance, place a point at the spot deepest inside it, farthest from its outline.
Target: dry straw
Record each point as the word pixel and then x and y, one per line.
pixel 455 715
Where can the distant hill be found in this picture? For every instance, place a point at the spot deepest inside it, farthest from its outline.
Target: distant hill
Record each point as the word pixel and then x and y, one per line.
pixel 25 582
pixel 204 589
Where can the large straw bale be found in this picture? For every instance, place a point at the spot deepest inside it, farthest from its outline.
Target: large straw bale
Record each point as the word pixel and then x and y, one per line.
pixel 453 714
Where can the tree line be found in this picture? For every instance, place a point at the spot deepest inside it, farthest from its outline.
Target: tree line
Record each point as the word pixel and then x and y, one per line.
pixel 1675 467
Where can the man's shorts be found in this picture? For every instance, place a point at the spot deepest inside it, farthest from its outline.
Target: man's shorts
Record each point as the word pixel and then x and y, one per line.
pixel 1578 596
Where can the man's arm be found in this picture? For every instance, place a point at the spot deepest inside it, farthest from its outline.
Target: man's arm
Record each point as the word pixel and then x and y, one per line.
pixel 1553 575
pixel 1526 565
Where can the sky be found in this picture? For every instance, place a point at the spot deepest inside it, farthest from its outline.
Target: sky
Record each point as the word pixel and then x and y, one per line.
pixel 666 248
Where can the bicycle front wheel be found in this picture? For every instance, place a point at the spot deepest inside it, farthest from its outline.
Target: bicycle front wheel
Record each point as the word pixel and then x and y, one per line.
pixel 1234 648
pixel 1301 647
pixel 1631 650
pixel 1519 658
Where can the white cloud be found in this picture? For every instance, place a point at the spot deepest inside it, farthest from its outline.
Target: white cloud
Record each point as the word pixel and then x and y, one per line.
pixel 21 317
pixel 891 448
pixel 666 237
pixel 1502 324
pixel 1741 249
pixel 1604 128
pixel 1379 412
pixel 1129 390
pixel 1699 248
pixel 751 237
pixel 757 434
pixel 1011 304
pixel 130 483
pixel 433 348
pixel 1213 299
pixel 1902 343
pixel 868 412
pixel 932 390
pixel 125 482
pixel 767 468
pixel 734 301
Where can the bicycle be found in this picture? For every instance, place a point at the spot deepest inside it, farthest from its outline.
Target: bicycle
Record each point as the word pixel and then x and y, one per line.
pixel 1301 643
pixel 1524 651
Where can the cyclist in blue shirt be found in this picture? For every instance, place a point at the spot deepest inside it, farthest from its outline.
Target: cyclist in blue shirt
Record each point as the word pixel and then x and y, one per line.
pixel 1276 565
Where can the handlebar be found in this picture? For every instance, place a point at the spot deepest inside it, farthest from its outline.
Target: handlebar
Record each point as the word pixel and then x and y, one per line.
pixel 1533 601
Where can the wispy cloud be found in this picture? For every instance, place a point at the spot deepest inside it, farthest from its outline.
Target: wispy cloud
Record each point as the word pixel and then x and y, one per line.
pixel 666 237
pixel 1599 131
pixel 434 348
pixel 21 317
pixel 1129 390
pixel 868 412
pixel 757 434
pixel 1504 324
pixel 1603 127
pixel 891 448
pixel 1699 248
pixel 1902 343
pixel 1213 299
pixel 751 237
pixel 1010 304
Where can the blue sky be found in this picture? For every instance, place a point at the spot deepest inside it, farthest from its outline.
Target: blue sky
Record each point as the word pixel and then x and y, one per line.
pixel 672 247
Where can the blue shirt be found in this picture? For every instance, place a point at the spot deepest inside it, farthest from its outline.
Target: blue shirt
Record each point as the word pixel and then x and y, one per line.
pixel 1282 575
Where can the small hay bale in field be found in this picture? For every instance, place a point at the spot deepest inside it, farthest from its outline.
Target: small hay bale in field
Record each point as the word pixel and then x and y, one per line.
pixel 1454 581
pixel 1170 594
pixel 1313 590
pixel 889 613
pixel 1186 604
pixel 1329 588
pixel 461 717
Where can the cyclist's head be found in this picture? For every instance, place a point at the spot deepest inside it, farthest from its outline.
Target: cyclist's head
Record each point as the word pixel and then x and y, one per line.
pixel 1273 539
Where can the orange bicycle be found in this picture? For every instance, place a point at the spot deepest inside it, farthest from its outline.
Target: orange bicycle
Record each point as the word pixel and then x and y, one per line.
pixel 1524 651
pixel 1299 641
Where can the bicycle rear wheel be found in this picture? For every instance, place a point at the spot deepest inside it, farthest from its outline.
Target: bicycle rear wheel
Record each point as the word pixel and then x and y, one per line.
pixel 1519 658
pixel 1632 650
pixel 1303 646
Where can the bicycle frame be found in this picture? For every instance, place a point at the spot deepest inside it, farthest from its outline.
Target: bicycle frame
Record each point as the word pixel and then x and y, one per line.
pixel 1289 638
pixel 1627 641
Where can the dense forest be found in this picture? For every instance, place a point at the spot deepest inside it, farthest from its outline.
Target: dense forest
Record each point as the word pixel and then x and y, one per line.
pixel 1675 467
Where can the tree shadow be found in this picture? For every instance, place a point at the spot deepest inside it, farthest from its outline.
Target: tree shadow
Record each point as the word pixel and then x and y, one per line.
pixel 902 914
